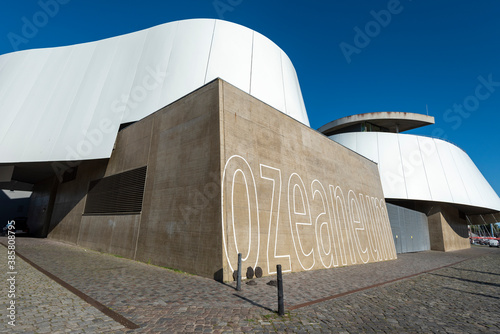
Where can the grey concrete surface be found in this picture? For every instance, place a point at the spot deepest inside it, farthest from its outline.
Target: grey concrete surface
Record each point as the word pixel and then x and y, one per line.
pixel 179 224
pixel 314 204
pixel 461 298
pixel 205 154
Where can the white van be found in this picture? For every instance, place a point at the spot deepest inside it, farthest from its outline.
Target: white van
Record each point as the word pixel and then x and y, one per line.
pixel 494 243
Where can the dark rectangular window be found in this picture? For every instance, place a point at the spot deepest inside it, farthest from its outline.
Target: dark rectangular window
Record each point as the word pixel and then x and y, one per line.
pixel 117 194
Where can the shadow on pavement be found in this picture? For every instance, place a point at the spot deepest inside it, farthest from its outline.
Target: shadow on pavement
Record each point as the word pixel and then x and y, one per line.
pixel 468 280
pixel 472 293
pixel 254 303
pixel 476 271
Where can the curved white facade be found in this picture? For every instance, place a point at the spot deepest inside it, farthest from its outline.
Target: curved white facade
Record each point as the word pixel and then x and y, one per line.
pixel 422 168
pixel 66 103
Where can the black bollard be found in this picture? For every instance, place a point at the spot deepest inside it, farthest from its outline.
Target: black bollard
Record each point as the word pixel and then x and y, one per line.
pixel 238 275
pixel 281 305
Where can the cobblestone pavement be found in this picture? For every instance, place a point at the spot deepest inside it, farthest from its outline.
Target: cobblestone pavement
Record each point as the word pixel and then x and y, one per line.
pixel 43 306
pixel 461 298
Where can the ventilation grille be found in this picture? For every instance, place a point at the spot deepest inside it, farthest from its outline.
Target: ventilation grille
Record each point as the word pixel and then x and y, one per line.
pixel 117 194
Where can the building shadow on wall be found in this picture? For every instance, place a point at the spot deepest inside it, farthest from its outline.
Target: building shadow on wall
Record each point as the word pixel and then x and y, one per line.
pixel 54 199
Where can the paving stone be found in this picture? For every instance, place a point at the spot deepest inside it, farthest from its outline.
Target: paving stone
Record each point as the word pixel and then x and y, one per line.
pixel 462 298
pixel 42 303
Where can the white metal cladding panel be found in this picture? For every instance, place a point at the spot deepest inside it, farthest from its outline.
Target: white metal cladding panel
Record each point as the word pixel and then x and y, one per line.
pixel 31 111
pixel 367 145
pixel 136 93
pixel 59 110
pixel 436 177
pixel 3 61
pixel 467 175
pixel 490 197
pixel 159 46
pixel 116 84
pixel 415 176
pixel 16 87
pixel 85 106
pixel 293 97
pixel 267 77
pixel 17 97
pixel 346 139
pixel 189 58
pixel 12 71
pixel 304 119
pixel 9 72
pixel 56 98
pixel 434 170
pixel 453 177
pixel 37 107
pixel 231 55
pixel 390 166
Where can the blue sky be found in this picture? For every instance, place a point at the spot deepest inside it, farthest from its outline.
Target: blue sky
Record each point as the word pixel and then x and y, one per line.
pixel 418 53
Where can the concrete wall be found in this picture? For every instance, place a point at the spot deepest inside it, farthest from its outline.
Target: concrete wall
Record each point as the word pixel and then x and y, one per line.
pixel 181 206
pixel 291 196
pixel 179 224
pixel 447 230
pixel 41 207
pixel 296 197
pixel 69 202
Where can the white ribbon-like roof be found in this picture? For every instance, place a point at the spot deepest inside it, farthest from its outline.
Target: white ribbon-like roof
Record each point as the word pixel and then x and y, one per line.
pixel 67 103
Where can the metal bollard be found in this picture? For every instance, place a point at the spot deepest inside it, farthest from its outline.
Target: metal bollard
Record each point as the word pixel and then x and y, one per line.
pixel 238 275
pixel 281 305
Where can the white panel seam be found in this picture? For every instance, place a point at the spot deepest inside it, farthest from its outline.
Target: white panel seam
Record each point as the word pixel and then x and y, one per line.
pixel 283 81
pixel 50 97
pixel 106 79
pixel 70 107
pixel 402 167
pixel 461 179
pixel 135 75
pixel 210 52
pixel 378 164
pixel 16 115
pixel 168 63
pixel 476 173
pixel 442 168
pixel 423 165
pixel 251 64
pixel 74 95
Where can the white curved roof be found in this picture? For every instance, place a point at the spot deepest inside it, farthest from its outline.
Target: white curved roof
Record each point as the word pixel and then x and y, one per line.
pixel 66 103
pixel 422 168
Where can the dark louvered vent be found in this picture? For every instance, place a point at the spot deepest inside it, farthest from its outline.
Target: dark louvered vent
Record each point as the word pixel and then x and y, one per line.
pixel 117 194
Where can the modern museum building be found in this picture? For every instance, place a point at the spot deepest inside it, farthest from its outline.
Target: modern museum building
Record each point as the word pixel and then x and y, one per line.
pixel 187 143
